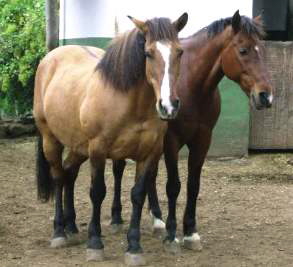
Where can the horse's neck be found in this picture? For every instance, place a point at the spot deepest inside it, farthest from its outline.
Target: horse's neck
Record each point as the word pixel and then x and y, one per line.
pixel 208 71
pixel 142 102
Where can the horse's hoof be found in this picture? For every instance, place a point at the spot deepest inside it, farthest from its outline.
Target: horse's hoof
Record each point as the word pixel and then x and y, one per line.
pixel 172 247
pixel 58 242
pixel 159 228
pixel 116 228
pixel 94 254
pixel 132 259
pixel 192 242
pixel 73 239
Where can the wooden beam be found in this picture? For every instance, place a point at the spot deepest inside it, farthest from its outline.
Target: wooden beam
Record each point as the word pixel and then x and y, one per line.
pixel 52 24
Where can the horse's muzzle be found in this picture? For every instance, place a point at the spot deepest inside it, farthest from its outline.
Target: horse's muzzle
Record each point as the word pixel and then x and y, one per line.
pixel 168 112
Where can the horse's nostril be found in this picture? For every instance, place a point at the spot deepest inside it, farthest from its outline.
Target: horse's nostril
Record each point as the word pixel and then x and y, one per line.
pixel 264 98
pixel 264 94
pixel 176 103
pixel 161 107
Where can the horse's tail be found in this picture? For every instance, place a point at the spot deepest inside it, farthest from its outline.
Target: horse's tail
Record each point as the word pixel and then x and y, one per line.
pixel 44 179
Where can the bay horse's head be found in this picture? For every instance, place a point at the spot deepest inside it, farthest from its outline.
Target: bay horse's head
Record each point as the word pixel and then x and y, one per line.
pixel 163 52
pixel 242 60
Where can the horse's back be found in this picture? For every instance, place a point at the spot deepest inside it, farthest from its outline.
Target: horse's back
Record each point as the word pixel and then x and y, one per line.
pixel 72 58
pixel 75 53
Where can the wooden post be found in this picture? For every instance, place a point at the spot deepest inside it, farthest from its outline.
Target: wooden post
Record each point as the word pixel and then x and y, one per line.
pixel 290 25
pixel 272 128
pixel 52 24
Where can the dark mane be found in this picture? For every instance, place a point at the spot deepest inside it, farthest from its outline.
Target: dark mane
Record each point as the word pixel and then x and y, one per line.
pixel 123 64
pixel 248 26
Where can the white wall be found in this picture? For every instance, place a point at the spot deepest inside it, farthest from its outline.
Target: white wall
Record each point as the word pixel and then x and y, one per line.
pixel 201 12
pixel 95 18
pixel 86 18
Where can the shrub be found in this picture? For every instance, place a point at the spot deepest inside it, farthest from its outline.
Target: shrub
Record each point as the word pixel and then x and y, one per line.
pixel 22 44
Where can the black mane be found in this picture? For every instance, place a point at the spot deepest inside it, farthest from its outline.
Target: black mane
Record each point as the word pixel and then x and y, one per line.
pixel 248 26
pixel 123 64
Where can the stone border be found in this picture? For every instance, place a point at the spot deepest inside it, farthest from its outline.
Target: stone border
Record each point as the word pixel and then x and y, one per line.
pixel 17 128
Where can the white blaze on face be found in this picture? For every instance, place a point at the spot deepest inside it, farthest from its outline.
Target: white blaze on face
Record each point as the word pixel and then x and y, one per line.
pixel 165 51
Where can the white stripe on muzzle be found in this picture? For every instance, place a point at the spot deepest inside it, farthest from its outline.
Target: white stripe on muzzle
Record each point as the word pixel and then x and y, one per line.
pixel 165 51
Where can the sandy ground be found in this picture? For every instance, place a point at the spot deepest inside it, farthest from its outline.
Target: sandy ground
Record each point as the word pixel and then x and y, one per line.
pixel 245 214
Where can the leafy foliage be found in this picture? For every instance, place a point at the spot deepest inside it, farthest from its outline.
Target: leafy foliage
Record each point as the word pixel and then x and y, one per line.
pixel 22 44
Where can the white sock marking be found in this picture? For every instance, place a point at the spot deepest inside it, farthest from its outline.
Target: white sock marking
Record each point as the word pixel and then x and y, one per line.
pixel 193 237
pixel 157 223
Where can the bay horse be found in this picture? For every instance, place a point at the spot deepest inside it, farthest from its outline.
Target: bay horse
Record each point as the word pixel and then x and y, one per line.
pixel 105 105
pixel 230 47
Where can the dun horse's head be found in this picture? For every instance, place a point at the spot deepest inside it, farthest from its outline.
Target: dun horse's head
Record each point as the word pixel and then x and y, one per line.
pixel 242 60
pixel 162 61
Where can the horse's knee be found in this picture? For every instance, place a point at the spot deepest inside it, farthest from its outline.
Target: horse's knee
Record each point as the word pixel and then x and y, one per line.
pixel 73 162
pixel 138 195
pixel 118 167
pixel 98 195
pixel 173 188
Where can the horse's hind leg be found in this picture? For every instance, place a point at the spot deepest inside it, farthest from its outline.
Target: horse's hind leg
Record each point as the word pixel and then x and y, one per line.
pixel 71 167
pixel 118 169
pixel 158 226
pixel 53 153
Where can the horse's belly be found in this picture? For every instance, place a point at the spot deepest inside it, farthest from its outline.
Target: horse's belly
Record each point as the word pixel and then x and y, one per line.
pixel 137 145
pixel 71 137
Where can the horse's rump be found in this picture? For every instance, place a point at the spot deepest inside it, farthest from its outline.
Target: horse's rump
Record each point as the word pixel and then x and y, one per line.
pixel 60 86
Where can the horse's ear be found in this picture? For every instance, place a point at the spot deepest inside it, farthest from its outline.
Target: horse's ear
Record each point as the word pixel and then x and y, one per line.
pixel 236 22
pixel 181 22
pixel 139 24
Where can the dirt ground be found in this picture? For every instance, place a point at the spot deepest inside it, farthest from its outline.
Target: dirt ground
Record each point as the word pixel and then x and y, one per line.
pixel 245 214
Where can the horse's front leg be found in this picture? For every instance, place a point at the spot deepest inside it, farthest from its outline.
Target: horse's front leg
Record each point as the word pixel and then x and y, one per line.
pixel 173 186
pixel 95 246
pixel 197 153
pixel 134 252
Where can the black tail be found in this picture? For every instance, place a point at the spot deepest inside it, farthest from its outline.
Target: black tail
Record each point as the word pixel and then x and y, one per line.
pixel 44 178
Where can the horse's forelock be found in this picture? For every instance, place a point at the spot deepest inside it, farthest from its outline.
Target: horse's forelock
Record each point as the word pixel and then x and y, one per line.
pixel 123 64
pixel 160 29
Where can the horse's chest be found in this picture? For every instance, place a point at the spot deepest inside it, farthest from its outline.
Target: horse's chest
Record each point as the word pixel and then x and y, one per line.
pixel 138 140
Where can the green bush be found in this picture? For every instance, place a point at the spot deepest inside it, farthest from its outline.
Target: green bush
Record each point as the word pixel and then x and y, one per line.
pixel 22 45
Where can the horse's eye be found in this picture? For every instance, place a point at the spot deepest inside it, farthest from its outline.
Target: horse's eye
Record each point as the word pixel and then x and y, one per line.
pixel 243 51
pixel 148 54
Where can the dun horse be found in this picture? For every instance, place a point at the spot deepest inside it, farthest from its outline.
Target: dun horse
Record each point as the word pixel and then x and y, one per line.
pixel 228 47
pixel 105 106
